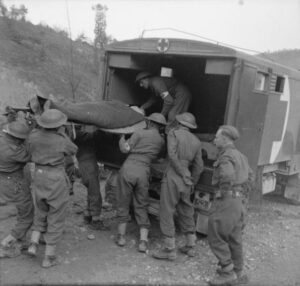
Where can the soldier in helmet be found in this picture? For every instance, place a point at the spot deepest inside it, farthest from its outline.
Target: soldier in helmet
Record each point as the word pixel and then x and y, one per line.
pixel 231 171
pixel 175 95
pixel 183 172
pixel 39 104
pixel 10 115
pixel 48 148
pixel 15 187
pixel 36 105
pixel 16 114
pixel 133 182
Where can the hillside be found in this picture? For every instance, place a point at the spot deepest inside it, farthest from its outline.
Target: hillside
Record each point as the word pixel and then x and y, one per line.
pixel 35 58
pixel 286 57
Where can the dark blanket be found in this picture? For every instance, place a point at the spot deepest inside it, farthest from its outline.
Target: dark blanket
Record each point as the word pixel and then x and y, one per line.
pixel 105 114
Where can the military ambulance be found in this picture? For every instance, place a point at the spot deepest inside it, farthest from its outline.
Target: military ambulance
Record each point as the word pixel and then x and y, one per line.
pixel 258 96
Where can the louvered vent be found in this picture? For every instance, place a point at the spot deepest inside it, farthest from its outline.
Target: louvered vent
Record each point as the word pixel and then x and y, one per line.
pixel 276 83
pixel 273 82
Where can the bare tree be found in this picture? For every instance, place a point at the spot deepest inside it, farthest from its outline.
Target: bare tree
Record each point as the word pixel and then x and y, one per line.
pixel 16 13
pixel 3 9
pixel 74 81
pixel 99 42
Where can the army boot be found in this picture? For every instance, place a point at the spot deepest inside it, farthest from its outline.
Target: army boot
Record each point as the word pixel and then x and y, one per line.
pixel 168 251
pixel 189 248
pixel 9 247
pixel 8 240
pixel 143 244
pixel 225 276
pixel 97 224
pixel 242 278
pixel 49 258
pixel 34 242
pixel 121 241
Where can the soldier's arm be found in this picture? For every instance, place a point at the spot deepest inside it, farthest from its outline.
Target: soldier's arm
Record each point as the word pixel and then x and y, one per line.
pixel 163 149
pixel 226 172
pixel 150 102
pixel 197 166
pixel 70 147
pixel 173 157
pixel 22 154
pixel 168 104
pixel 160 89
pixel 127 145
pixel 123 145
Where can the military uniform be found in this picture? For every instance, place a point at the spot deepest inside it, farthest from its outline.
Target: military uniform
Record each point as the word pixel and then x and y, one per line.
pixel 145 145
pixel 89 170
pixel 231 171
pixel 184 151
pixel 15 187
pixel 177 102
pixel 183 172
pixel 50 184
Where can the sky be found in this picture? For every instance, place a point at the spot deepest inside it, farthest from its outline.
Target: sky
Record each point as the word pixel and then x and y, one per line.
pixel 259 25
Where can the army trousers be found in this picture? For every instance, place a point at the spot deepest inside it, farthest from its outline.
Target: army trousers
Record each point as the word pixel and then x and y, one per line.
pixel 15 189
pixel 90 178
pixel 51 194
pixel 133 185
pixel 175 196
pixel 225 231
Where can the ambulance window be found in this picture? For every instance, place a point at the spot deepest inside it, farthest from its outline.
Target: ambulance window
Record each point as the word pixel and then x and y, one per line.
pixel 260 81
pixel 279 84
pixel 276 83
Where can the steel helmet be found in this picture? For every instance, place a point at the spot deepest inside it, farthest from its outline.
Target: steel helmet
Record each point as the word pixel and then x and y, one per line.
pixel 44 96
pixel 52 118
pixel 142 75
pixel 157 118
pixel 187 119
pixel 17 129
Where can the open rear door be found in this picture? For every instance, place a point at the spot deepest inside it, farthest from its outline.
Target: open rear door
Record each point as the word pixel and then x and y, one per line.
pixel 251 105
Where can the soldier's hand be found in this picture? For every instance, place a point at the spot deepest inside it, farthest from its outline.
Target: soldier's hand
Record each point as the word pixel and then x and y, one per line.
pixel 188 180
pixel 196 197
pixel 138 109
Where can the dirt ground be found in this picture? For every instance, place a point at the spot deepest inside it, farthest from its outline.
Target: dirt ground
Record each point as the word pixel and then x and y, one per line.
pixel 271 242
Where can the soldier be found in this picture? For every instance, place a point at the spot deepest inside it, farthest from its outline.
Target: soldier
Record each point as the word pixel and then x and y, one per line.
pixel 9 114
pixel 176 96
pixel 231 171
pixel 39 104
pixel 184 151
pixel 12 114
pixel 89 172
pixel 15 187
pixel 48 148
pixel 143 147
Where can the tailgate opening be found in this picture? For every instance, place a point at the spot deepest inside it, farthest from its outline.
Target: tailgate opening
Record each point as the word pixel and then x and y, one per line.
pixel 207 79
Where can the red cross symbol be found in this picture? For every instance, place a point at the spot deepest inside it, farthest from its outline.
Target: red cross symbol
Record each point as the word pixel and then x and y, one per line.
pixel 163 45
pixel 275 127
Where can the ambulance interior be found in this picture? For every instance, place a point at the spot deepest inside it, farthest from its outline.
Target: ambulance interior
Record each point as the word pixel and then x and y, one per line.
pixel 208 80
